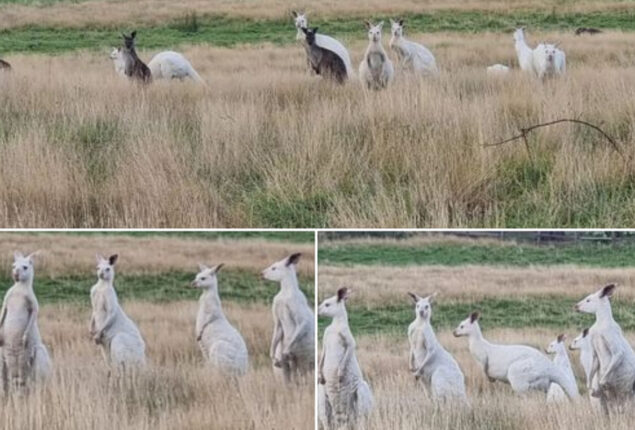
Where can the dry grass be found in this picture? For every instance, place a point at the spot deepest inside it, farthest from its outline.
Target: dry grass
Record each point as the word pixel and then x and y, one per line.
pixel 418 239
pixel 380 285
pixel 80 147
pixel 176 392
pixel 75 254
pixel 400 403
pixel 105 12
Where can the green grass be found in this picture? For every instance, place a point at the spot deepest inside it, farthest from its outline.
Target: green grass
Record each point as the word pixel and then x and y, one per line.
pixel 235 285
pixel 282 236
pixel 225 31
pixel 547 312
pixel 453 254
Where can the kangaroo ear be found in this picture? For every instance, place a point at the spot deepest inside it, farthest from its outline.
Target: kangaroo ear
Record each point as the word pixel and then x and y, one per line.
pixel 432 297
pixel 202 267
pixel 304 30
pixel 585 332
pixel 474 316
pixel 368 24
pixel 133 34
pixel 33 254
pixel 315 30
pixel 401 22
pixel 99 258
pixel 113 259
pixel 608 291
pixel 293 258
pixel 218 267
pixel 562 337
pixel 17 255
pixel 413 296
pixel 381 24
pixel 294 14
pixel 343 294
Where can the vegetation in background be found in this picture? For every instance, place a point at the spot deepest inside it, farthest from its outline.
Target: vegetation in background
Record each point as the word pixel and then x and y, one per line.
pixel 455 254
pixel 235 285
pixel 230 31
pixel 549 312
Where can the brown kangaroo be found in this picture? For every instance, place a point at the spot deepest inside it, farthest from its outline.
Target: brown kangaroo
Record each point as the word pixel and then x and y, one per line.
pixel 324 62
pixel 4 65
pixel 134 68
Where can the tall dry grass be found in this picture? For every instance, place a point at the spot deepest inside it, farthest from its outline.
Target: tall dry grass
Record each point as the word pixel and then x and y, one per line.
pixel 276 147
pixel 105 12
pixel 63 253
pixel 177 391
pixel 401 403
pixel 385 285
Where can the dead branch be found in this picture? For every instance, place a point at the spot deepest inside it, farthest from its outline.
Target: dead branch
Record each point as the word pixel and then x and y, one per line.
pixel 525 131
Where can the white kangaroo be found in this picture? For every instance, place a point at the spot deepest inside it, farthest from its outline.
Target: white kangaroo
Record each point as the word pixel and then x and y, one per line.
pixel 561 359
pixel 119 338
pixel 613 358
pixel 343 394
pixel 429 361
pixel 23 356
pixel 292 348
pixel 523 367
pixel 221 344
pixel 583 343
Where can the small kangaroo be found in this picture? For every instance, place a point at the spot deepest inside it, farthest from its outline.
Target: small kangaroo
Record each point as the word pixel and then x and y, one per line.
pixel 133 67
pixel 322 61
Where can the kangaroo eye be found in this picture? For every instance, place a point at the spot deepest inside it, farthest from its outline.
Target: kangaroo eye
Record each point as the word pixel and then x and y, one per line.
pixel 24 267
pixel 203 278
pixel 327 305
pixel 588 300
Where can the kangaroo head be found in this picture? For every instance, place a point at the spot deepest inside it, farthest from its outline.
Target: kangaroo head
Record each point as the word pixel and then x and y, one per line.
pixel 22 268
pixel 206 276
pixel 106 267
pixel 281 269
pixel 335 305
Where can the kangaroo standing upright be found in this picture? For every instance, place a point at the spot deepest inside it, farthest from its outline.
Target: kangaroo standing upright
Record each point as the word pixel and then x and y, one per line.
pixel 134 68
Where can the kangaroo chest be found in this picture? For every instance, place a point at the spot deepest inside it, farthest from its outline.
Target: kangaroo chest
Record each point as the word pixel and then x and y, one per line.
pixel 19 306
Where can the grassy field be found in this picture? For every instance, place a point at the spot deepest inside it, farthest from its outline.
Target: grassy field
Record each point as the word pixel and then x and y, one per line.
pixel 176 391
pixel 230 31
pixel 282 149
pixel 276 147
pixel 528 302
pixel 457 254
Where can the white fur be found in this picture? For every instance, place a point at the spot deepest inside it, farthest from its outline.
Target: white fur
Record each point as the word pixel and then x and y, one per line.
pixel 117 59
pixel 613 358
pixel 560 359
pixel 548 61
pixel 413 56
pixel 523 367
pixel 376 70
pixel 293 342
pixel 523 52
pixel 164 65
pixel 498 70
pixel 324 41
pixel 172 65
pixel 345 396
pixel 23 356
pixel 119 338
pixel 221 344
pixel 429 361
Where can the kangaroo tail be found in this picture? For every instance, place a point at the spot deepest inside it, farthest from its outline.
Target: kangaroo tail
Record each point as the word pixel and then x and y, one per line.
pixel 569 387
pixel 196 76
